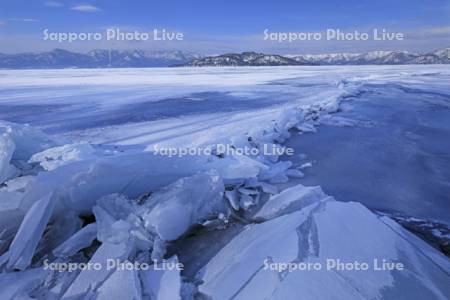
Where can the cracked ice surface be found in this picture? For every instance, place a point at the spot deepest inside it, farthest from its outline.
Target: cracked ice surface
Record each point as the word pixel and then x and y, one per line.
pixel 81 184
pixel 323 230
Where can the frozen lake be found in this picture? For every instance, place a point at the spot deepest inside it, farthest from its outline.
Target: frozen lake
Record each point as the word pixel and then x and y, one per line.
pixel 400 162
pixel 397 158
pixel 81 181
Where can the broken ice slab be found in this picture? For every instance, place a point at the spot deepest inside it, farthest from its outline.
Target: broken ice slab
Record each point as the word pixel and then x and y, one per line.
pixel 288 119
pixel 306 127
pixel 29 234
pixel 80 240
pixel 294 173
pixel 117 219
pixel 7 146
pixel 290 200
pixel 11 194
pixel 60 228
pixel 10 213
pixel 122 284
pixel 110 229
pixel 276 172
pixel 233 198
pixel 162 284
pixel 27 140
pixel 170 286
pixel 320 234
pixel 16 285
pixel 227 272
pixel 266 187
pixel 91 279
pixel 53 158
pixel 117 206
pixel 80 184
pixel 246 191
pixel 188 201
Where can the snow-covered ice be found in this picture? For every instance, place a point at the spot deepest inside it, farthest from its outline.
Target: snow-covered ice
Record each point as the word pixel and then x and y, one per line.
pixel 82 182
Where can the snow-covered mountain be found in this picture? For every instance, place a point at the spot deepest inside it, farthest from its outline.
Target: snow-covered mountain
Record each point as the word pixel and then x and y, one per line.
pixel 59 58
pixel 369 58
pixel 325 58
pixel 140 58
pixel 443 55
pixel 377 58
pixel 247 59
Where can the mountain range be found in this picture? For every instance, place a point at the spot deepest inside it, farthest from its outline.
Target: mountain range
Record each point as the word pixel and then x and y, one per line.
pixel 378 58
pixel 369 58
pixel 59 58
pixel 248 59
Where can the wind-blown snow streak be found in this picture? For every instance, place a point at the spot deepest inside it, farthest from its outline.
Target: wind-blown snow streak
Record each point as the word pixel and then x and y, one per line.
pixel 96 161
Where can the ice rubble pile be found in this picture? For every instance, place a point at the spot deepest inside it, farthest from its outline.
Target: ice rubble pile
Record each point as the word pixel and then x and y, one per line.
pixel 17 144
pixel 81 203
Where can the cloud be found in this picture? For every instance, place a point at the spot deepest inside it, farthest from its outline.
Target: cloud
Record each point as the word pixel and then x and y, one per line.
pixel 22 20
pixel 85 8
pixel 52 4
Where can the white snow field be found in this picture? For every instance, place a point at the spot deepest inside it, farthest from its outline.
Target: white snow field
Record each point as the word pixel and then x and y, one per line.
pixel 91 209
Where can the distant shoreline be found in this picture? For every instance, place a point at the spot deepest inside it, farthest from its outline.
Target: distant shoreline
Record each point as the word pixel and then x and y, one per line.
pixel 101 59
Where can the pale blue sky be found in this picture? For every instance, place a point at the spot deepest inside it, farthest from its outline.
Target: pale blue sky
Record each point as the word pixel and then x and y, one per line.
pixel 223 26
